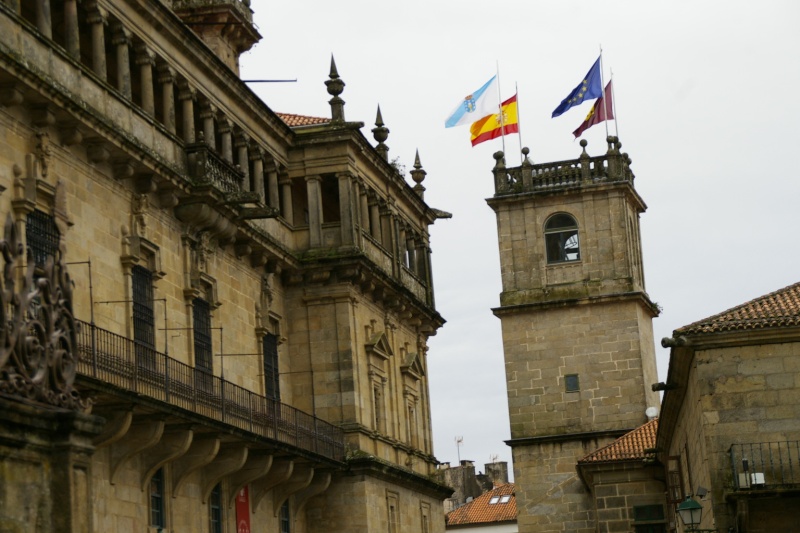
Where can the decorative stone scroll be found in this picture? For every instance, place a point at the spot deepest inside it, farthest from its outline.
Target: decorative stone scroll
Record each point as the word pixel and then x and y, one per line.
pixel 38 340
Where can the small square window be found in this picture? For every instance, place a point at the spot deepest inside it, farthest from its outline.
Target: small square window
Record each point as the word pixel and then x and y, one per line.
pixel 494 500
pixel 572 383
pixel 505 499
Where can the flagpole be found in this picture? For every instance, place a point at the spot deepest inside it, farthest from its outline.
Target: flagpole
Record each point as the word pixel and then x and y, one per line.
pixel 603 82
pixel 614 105
pixel 519 125
pixel 500 109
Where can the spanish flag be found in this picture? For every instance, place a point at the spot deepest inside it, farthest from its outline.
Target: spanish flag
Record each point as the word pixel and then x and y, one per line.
pixel 489 127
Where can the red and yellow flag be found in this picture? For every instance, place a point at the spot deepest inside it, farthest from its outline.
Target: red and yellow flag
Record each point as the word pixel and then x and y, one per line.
pixel 489 127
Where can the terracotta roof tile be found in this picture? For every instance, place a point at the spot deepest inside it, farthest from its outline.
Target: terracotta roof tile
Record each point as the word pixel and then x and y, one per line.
pixel 777 309
pixel 481 510
pixel 293 120
pixel 630 446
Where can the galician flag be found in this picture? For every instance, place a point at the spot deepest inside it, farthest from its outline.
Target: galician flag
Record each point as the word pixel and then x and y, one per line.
pixel 473 107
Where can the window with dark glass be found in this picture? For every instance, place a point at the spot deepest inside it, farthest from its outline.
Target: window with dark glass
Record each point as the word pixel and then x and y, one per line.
pixel 285 518
pixel 143 316
pixel 201 311
pixel 157 516
pixel 561 239
pixel 649 519
pixel 572 383
pixel 42 236
pixel 272 387
pixel 215 509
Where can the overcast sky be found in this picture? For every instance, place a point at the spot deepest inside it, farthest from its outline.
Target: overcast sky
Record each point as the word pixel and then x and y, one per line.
pixel 708 111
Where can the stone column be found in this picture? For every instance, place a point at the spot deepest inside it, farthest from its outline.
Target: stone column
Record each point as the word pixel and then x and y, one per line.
pixel 346 208
pixel 166 77
pixel 364 211
pixel 272 185
pixel 225 128
pixel 96 18
pixel 388 228
pixel 402 238
pixel 121 39
pixel 257 157
pixel 44 20
pixel 374 219
pixel 71 31
pixel 286 198
pixel 207 112
pixel 419 258
pixel 412 253
pixel 242 158
pixel 314 211
pixel 186 95
pixel 145 60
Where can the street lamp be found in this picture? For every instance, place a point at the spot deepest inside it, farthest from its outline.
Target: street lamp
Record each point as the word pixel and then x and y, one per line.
pixel 690 512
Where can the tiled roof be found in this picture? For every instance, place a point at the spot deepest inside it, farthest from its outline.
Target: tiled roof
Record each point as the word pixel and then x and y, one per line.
pixel 630 446
pixel 777 309
pixel 293 120
pixel 481 511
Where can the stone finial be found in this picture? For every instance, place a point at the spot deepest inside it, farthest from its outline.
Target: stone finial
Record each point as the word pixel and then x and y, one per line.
pixel 335 87
pixel 584 143
pixel 381 133
pixel 418 175
pixel 500 159
pixel 525 159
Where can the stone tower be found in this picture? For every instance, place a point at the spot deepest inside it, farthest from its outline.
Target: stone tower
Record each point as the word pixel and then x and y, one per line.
pixel 576 322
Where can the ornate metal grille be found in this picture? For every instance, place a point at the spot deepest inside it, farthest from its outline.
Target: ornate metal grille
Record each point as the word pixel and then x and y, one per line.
pixel 143 316
pixel 202 334
pixel 42 235
pixel 272 387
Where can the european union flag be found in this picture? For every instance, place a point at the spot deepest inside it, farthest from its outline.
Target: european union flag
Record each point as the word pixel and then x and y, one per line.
pixel 590 87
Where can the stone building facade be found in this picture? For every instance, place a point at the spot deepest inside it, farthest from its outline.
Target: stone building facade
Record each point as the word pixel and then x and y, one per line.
pixel 576 322
pixel 729 432
pixel 252 291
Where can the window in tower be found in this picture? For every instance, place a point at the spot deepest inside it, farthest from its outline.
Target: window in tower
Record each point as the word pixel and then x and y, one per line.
pixel 561 239
pixel 572 383
pixel 42 235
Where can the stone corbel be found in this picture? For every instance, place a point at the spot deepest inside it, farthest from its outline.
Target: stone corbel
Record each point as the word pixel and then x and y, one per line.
pixel 167 197
pixel 117 425
pixel 97 151
pixel 122 169
pixel 281 471
pixel 42 115
pixel 320 484
pixel 172 445
pixel 301 478
pixel 257 467
pixel 141 436
pixel 227 462
pixel 70 134
pixel 201 452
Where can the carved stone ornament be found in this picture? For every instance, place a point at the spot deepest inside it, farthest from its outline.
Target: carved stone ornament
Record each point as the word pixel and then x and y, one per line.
pixel 38 343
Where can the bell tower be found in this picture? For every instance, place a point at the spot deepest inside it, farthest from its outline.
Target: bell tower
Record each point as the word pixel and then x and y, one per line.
pixel 576 322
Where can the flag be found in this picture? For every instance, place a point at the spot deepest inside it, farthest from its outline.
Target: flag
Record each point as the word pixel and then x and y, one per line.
pixel 590 87
pixel 472 107
pixel 489 127
pixel 603 109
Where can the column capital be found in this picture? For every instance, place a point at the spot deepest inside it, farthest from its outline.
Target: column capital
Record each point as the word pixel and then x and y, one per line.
pixel 166 74
pixel 207 109
pixel 186 91
pixel 119 34
pixel 94 13
pixel 313 177
pixel 241 139
pixel 143 54
pixel 224 124
pixel 256 152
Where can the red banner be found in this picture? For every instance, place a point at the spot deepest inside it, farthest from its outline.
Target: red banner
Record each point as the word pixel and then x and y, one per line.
pixel 243 511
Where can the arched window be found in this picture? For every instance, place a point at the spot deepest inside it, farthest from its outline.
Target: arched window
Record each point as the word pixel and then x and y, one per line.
pixel 561 239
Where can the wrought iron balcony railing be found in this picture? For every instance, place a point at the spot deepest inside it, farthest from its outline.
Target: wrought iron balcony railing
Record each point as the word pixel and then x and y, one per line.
pixel 121 362
pixel 766 465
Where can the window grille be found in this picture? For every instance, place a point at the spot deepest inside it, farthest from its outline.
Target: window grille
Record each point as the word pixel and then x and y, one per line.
pixel 272 387
pixel 202 334
pixel 285 518
pixel 157 517
pixel 143 316
pixel 215 509
pixel 42 236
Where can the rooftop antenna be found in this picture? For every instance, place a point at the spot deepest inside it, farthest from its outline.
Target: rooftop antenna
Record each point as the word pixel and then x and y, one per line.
pixel 494 457
pixel 459 442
